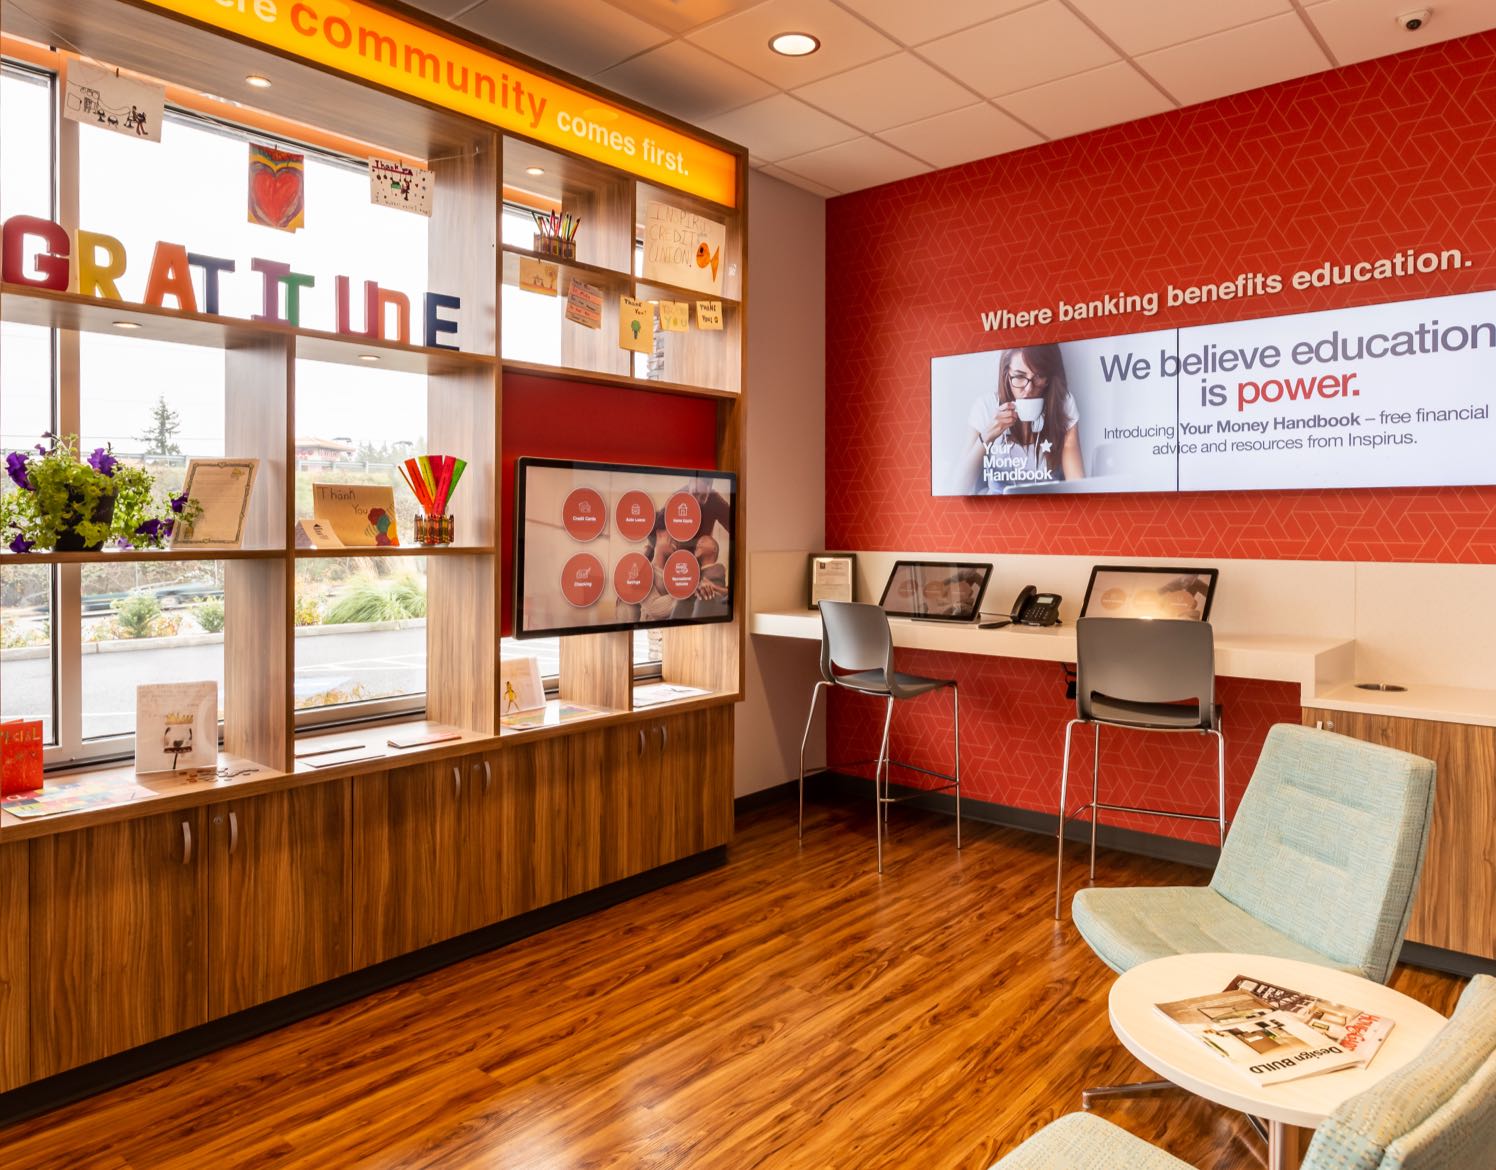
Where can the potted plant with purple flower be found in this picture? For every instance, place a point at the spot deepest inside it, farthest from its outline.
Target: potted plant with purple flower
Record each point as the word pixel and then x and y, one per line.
pixel 60 502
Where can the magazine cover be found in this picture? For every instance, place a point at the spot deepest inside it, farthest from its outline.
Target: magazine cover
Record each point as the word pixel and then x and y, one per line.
pixel 1265 1045
pixel 1354 1030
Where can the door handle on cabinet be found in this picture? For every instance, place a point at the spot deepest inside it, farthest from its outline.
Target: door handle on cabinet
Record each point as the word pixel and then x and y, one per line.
pixel 233 832
pixel 664 736
pixel 457 780
pixel 487 777
pixel 186 843
pixel 641 741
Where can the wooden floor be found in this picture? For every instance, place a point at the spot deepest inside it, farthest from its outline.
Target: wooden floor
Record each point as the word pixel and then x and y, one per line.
pixel 791 1010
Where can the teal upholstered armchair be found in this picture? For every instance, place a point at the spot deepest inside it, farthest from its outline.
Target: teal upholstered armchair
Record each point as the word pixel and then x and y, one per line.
pixel 1321 865
pixel 1437 1112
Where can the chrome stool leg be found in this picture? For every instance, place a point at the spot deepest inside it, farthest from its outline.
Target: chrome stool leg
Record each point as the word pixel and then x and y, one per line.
pixel 1095 795
pixel 1138 1088
pixel 956 739
pixel 1059 858
pixel 815 693
pixel 1221 776
pixel 879 798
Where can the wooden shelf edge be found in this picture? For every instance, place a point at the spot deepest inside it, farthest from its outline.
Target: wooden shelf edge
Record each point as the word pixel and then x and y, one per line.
pixel 141 556
pixel 627 381
pixel 681 293
pixel 598 270
pixel 400 550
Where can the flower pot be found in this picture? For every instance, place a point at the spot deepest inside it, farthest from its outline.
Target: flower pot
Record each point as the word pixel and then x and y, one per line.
pixel 69 539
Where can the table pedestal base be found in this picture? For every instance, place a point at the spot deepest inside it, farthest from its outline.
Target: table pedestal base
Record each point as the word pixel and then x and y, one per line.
pixel 1286 1145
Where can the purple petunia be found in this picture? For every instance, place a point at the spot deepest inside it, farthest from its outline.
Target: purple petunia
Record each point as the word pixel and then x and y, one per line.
pixel 102 461
pixel 19 544
pixel 178 503
pixel 15 467
pixel 151 529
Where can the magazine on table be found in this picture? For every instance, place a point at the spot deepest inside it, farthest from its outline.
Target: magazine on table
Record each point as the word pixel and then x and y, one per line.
pixel 1358 1032
pixel 1266 1043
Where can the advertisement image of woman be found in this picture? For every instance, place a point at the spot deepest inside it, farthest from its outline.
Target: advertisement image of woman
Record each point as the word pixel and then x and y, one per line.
pixel 1024 430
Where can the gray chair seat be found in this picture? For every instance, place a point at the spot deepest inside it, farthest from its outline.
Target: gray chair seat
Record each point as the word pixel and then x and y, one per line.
pixel 874 683
pixel 1081 1141
pixel 1132 925
pixel 1144 716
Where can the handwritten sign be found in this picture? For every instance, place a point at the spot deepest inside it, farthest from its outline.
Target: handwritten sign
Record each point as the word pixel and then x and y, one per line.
pixel 538 276
pixel 709 314
pixel 683 248
pixel 100 97
pixel 584 304
pixel 393 184
pixel 675 316
pixel 635 325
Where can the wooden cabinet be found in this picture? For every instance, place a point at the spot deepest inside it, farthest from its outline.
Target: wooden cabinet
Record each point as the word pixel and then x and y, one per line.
pixel 279 894
pixel 1455 907
pixel 15 955
pixel 534 826
pixel 118 937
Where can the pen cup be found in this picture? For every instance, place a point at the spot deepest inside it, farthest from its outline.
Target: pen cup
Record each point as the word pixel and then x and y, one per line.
pixel 431 530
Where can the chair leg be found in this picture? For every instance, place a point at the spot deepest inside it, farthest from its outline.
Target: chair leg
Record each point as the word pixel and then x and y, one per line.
pixel 956 739
pixel 1095 794
pixel 1059 851
pixel 1221 782
pixel 815 694
pixel 878 796
pixel 1136 1089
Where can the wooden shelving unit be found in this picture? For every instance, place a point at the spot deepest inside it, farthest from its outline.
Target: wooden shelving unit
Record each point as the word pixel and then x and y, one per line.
pixel 342 866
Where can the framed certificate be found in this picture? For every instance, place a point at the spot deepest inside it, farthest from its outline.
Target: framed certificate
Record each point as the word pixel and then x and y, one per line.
pixel 831 577
pixel 222 488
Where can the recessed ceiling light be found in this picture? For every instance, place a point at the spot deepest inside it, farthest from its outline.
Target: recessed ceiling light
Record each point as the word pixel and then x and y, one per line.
pixel 126 324
pixel 368 357
pixel 794 44
pixel 534 170
pixel 258 80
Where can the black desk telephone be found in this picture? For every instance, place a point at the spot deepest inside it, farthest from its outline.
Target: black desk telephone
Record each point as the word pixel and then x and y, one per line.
pixel 1030 608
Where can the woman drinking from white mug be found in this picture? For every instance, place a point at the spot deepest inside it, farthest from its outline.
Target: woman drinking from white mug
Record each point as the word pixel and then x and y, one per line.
pixel 1024 431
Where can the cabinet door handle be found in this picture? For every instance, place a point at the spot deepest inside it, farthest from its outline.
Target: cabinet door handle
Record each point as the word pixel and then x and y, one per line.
pixel 186 843
pixel 664 737
pixel 457 779
pixel 487 777
pixel 641 741
pixel 233 832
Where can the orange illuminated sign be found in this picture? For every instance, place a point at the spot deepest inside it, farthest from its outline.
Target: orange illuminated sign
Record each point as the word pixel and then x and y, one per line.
pixel 379 47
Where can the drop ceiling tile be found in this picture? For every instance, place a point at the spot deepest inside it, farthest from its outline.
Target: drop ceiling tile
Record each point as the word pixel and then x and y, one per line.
pixel 1024 49
pixel 888 92
pixel 915 24
pixel 678 16
pixel 446 9
pixel 804 184
pixel 978 131
pixel 851 166
pixel 743 39
pixel 1141 28
pixel 779 127
pixel 1358 30
pixel 1243 58
pixel 1103 97
pixel 579 36
pixel 680 79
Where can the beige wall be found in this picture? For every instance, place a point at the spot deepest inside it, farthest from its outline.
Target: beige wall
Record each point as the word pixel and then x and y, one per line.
pixel 786 462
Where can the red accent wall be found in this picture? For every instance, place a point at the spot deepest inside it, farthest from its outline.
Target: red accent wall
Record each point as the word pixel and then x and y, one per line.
pixel 1355 164
pixel 556 419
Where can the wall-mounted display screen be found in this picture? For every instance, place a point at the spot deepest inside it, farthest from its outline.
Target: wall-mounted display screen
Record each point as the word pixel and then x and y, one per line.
pixel 1392 395
pixel 948 591
pixel 1134 591
pixel 607 546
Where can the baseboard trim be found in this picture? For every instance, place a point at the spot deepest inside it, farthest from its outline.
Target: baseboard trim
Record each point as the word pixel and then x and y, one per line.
pixel 753 801
pixel 1134 841
pixel 1449 962
pixel 113 1071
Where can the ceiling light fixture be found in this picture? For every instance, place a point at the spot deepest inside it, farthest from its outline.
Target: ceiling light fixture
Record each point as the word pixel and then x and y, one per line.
pixel 368 357
pixel 126 324
pixel 258 81
pixel 534 170
pixel 794 44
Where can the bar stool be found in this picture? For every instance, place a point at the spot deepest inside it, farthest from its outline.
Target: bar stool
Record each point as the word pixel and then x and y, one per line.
pixel 857 655
pixel 1145 675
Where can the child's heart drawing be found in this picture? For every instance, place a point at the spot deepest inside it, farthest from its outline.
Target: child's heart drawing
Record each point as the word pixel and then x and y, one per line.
pixel 276 185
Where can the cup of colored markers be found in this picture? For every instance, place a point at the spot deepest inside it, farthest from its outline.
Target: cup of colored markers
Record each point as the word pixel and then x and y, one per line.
pixel 432 479
pixel 557 234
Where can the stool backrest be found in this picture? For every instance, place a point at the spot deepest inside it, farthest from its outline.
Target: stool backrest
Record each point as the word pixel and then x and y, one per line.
pixel 1143 661
pixel 1437 1112
pixel 854 637
pixel 1328 842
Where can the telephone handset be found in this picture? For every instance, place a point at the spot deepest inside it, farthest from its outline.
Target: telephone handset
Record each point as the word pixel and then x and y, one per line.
pixel 1030 608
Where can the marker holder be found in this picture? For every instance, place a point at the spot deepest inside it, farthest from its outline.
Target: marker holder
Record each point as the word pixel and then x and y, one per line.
pixel 435 530
pixel 555 247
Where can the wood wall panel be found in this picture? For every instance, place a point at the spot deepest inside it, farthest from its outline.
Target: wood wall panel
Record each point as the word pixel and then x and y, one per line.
pixel 118 938
pixel 1455 907
pixel 15 954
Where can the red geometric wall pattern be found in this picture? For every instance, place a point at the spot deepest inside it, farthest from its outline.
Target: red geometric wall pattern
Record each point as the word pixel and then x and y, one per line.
pixel 1355 164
